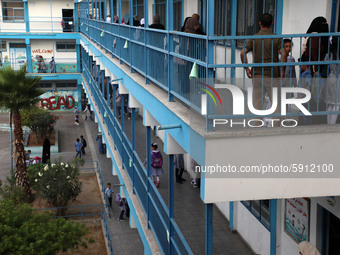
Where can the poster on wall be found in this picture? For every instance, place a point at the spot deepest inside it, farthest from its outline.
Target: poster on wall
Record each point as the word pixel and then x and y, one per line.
pixel 297 219
pixel 64 100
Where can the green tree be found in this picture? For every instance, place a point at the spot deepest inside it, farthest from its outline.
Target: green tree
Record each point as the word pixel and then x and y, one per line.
pixel 18 92
pixel 40 121
pixel 57 183
pixel 29 232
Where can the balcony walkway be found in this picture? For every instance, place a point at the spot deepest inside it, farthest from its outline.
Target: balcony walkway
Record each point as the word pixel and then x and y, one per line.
pixel 189 208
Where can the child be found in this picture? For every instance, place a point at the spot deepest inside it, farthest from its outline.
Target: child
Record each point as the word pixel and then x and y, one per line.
pixel 156 164
pixel 83 141
pixel 306 78
pixel 108 193
pixel 289 75
pixel 76 115
pixel 121 205
pixel 78 146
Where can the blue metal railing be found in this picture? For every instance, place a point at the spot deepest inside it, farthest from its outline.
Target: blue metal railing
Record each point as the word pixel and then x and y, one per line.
pixel 151 201
pixel 167 57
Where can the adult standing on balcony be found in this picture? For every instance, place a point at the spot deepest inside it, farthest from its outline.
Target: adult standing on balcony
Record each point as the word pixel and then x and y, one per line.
pixel 316 48
pixel 264 51
pixel 156 22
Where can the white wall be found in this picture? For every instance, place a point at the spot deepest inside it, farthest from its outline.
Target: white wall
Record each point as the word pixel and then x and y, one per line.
pixel 46 46
pixel 256 235
pixel 45 17
pixel 248 149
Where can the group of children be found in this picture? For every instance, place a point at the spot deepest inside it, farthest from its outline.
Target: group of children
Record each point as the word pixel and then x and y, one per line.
pixel 121 202
pixel 80 145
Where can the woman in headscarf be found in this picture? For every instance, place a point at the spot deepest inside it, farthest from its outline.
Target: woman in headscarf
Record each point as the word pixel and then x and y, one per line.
pixel 316 46
pixel 306 248
pixel 191 26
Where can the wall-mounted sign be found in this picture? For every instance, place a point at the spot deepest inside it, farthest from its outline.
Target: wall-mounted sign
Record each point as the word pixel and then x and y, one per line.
pixel 297 218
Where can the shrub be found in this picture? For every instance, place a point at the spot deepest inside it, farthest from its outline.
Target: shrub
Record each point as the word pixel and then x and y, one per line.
pixel 40 121
pixel 25 231
pixel 57 183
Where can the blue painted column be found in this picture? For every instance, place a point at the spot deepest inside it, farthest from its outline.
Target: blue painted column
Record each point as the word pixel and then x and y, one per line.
pixel 105 11
pixel 100 9
pixel 209 229
pixel 76 16
pixel 170 26
pixel 114 100
pixel 27 18
pixel 273 218
pixel 111 10
pixel 108 91
pixel 279 17
pixel 231 215
pixel 29 56
pixel 102 82
pixel 146 40
pixel 233 42
pixel 171 200
pixel 78 55
pixel 120 22
pixel 131 34
pixel 133 128
pixel 90 64
pixel 79 96
pixel 210 60
pixel 92 9
pixel 148 156
pixel 122 110
pixel 333 15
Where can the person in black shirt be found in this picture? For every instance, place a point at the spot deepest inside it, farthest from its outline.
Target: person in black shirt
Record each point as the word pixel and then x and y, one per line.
pixel 157 22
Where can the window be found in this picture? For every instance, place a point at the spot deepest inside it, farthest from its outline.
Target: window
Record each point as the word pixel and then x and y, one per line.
pixel 248 13
pixel 222 22
pixel 260 209
pixel 138 8
pixel 3 46
pixel 13 11
pixel 159 7
pixel 66 46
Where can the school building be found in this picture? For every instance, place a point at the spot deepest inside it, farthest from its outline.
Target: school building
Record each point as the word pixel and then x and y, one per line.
pixel 275 187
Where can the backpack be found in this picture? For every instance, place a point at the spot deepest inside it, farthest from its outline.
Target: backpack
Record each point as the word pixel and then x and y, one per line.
pixel 156 159
pixel 84 143
pixel 119 201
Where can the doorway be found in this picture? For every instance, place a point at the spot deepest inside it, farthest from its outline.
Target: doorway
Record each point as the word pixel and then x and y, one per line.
pixel 17 55
pixel 67 22
pixel 331 233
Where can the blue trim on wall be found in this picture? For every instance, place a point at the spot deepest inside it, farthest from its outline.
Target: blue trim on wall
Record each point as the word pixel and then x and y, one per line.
pixel 42 36
pixel 61 76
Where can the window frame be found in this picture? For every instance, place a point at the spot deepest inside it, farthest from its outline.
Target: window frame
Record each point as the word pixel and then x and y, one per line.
pixel 258 212
pixel 226 14
pixel 66 43
pixel 14 19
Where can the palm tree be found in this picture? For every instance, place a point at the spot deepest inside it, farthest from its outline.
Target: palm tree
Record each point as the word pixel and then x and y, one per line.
pixel 18 92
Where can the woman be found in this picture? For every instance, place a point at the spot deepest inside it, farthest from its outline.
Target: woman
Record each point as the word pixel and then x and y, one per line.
pixel 306 248
pixel 332 94
pixel 316 45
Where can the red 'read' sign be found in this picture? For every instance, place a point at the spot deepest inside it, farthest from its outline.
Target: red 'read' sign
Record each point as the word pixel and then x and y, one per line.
pixel 54 103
